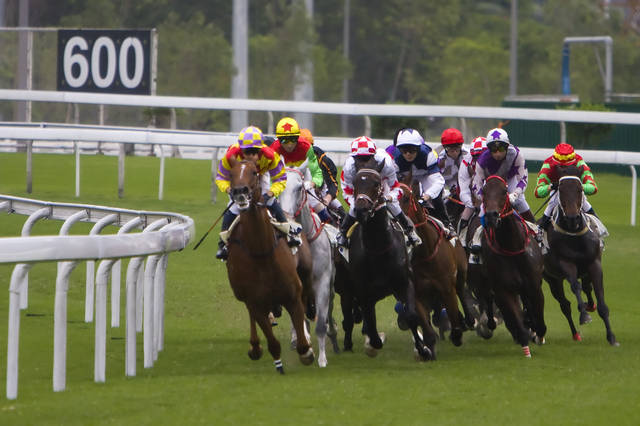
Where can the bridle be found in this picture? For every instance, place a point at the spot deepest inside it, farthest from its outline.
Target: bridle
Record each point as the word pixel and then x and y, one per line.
pixel 506 210
pixel 414 207
pixel 557 227
pixel 303 201
pixel 378 203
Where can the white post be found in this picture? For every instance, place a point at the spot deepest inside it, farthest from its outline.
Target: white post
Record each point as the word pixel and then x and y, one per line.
pixel 91 267
pixel 161 178
pixel 130 344
pixel 634 183
pixel 76 148
pixel 116 273
pixel 101 321
pixel 26 231
pixel 149 276
pixel 13 338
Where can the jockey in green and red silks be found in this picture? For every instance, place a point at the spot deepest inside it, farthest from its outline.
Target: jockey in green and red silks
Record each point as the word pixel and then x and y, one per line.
pixel 563 156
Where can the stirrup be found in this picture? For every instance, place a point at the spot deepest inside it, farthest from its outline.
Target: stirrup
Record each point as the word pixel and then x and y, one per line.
pixel 342 240
pixel 222 253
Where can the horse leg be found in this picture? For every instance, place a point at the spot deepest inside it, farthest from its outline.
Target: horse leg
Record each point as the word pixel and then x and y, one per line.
pixel 451 303
pixel 256 351
pixel 587 288
pixel 333 330
pixel 373 341
pixel 303 347
pixel 556 286
pixel 595 272
pixel 347 305
pixel 273 343
pixel 322 292
pixel 512 314
pixel 570 271
pixel 429 337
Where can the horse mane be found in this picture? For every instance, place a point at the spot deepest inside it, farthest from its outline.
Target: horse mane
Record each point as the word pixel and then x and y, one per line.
pixel 570 170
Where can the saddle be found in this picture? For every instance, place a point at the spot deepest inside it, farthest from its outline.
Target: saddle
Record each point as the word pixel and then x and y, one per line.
pixel 289 229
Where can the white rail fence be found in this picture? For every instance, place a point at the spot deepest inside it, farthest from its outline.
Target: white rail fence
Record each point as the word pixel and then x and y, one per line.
pixel 162 233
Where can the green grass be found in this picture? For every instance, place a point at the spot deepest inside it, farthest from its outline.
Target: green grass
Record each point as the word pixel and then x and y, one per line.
pixel 204 375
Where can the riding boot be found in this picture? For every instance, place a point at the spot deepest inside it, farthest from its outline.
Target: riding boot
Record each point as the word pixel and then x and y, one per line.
pixel 440 212
pixel 324 215
pixel 528 216
pixel 227 220
pixel 409 229
pixel 346 224
pixel 462 224
pixel 278 214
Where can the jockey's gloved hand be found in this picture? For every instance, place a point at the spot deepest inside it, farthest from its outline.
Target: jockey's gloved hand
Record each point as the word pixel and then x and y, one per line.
pixel 268 199
pixel 388 198
pixel 513 197
pixel 554 186
pixel 308 185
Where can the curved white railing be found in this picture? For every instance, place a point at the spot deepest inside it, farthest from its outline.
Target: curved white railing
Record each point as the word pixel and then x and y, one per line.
pixel 162 233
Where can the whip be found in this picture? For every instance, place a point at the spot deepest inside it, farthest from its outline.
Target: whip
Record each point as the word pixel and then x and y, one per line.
pixel 212 226
pixel 545 202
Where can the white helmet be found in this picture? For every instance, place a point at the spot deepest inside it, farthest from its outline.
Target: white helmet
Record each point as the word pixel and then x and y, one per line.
pixel 409 137
pixel 497 135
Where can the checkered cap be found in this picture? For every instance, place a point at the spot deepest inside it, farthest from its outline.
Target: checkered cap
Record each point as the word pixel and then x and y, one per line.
pixel 478 145
pixel 363 146
pixel 250 137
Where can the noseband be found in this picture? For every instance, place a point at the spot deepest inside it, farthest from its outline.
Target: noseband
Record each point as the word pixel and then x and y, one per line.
pixel 376 204
pixel 507 209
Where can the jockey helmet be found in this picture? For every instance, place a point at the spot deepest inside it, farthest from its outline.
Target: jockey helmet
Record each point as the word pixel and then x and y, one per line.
pixel 451 137
pixel 478 146
pixel 564 154
pixel 306 135
pixel 250 137
pixel 409 137
pixel 363 146
pixel 497 135
pixel 287 127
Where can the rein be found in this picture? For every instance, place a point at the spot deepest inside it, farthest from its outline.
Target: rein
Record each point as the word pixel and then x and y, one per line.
pixel 507 210
pixel 301 206
pixel 415 206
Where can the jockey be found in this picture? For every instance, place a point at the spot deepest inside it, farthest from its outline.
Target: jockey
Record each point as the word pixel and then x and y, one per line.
pixel 411 154
pixel 362 150
pixel 563 156
pixel 329 190
pixel 465 178
pixel 505 160
pixel 451 158
pixel 250 147
pixel 295 151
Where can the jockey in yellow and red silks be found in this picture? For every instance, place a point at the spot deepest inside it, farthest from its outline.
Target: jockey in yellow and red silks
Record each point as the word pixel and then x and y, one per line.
pixel 563 156
pixel 295 151
pixel 271 168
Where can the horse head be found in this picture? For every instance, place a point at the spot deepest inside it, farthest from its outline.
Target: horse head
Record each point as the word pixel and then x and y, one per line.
pixel 570 196
pixel 495 200
pixel 293 198
pixel 367 189
pixel 409 188
pixel 244 183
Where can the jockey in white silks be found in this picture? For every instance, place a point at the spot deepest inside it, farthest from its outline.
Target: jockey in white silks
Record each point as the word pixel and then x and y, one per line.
pixel 364 149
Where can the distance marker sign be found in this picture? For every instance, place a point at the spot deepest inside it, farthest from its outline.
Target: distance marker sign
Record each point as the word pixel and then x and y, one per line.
pixel 106 61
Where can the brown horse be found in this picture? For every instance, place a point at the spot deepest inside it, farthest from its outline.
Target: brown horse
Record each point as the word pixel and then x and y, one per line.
pixel 439 269
pixel 574 253
pixel 513 261
pixel 262 268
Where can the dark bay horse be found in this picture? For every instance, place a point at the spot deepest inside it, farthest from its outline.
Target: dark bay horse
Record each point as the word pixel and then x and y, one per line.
pixel 512 260
pixel 379 264
pixel 574 253
pixel 262 268
pixel 439 269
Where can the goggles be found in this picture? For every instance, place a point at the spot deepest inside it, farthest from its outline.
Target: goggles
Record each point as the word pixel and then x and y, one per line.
pixel 498 147
pixel 408 149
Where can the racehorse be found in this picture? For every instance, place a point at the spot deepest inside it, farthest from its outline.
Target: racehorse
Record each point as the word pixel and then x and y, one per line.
pixel 379 265
pixel 261 267
pixel 439 269
pixel 574 253
pixel 513 260
pixel 294 203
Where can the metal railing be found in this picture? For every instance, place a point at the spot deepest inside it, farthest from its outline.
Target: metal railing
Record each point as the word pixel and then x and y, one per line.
pixel 162 233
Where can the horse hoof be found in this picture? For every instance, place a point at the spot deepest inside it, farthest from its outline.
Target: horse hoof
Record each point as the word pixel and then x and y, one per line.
pixel 456 337
pixel 585 318
pixel 540 340
pixel 612 340
pixel 577 337
pixel 255 354
pixel 308 357
pixel 591 307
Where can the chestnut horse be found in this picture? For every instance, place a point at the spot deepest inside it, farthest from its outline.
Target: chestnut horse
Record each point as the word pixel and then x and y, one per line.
pixel 261 266
pixel 513 260
pixel 439 269
pixel 379 265
pixel 574 253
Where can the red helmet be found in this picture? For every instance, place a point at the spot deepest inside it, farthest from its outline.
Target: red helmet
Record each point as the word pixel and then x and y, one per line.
pixel 451 137
pixel 564 154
